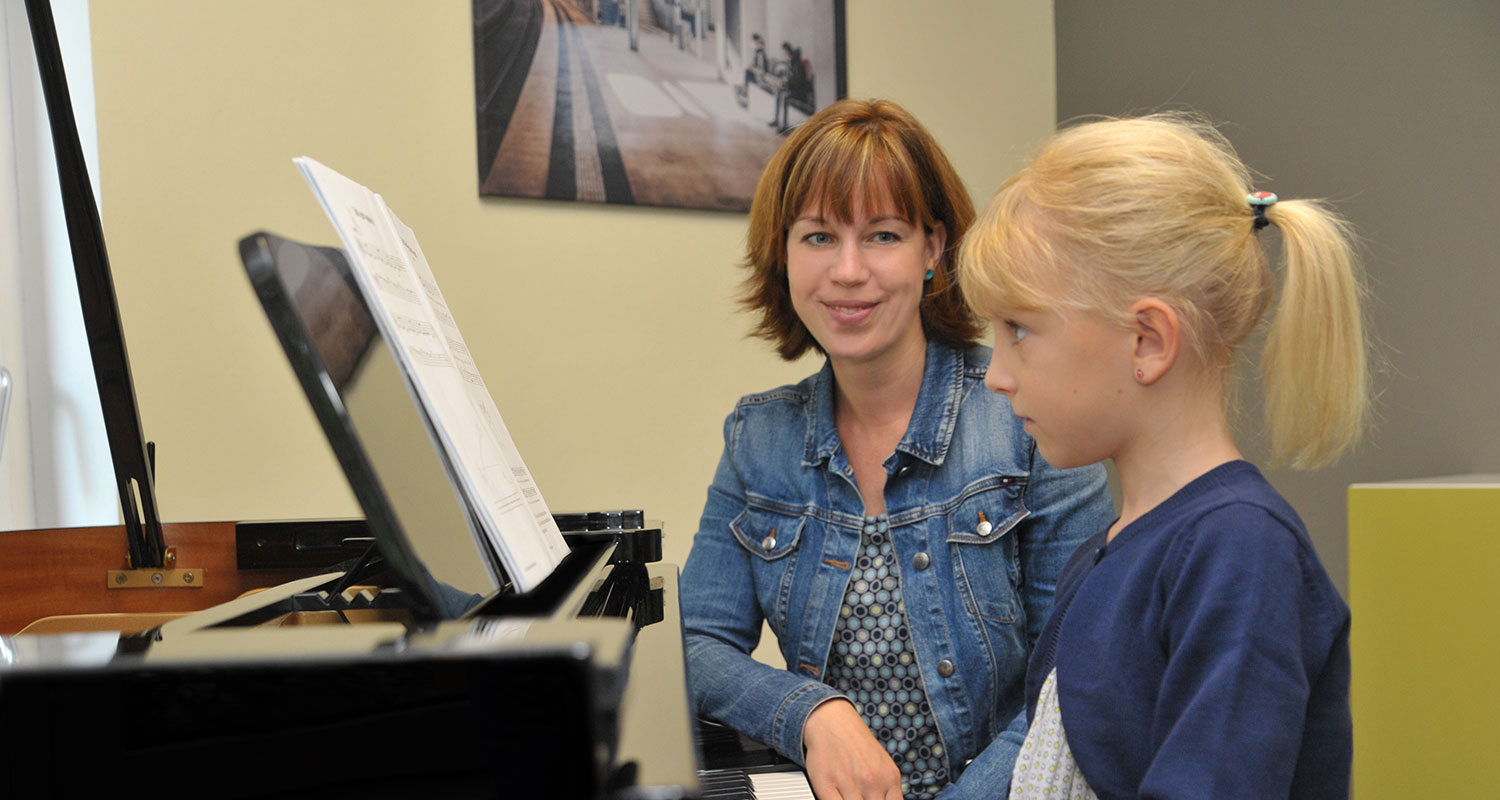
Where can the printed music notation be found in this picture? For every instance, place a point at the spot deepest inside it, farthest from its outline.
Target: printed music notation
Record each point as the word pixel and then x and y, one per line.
pixel 408 307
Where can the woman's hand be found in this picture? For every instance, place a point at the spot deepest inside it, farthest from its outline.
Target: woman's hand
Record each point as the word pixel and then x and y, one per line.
pixel 844 760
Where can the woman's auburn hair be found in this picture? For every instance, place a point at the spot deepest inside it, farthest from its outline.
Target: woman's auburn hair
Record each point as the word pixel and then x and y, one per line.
pixel 856 154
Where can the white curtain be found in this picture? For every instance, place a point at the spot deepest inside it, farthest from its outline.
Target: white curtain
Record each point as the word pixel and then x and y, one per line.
pixel 55 469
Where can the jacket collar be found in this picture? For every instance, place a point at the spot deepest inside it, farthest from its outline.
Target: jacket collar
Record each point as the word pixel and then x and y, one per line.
pixel 932 421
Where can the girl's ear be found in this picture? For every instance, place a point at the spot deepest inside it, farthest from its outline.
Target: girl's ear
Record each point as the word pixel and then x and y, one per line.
pixel 1158 338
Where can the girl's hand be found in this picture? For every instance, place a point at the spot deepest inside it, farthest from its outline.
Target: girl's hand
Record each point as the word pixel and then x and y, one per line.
pixel 844 760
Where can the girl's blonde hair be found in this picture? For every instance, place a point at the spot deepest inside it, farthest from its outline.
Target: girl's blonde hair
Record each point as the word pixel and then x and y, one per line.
pixel 1112 211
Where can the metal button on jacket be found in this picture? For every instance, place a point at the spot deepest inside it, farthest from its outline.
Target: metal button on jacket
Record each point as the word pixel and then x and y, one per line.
pixel 920 561
pixel 984 528
pixel 904 471
pixel 945 668
pixel 768 543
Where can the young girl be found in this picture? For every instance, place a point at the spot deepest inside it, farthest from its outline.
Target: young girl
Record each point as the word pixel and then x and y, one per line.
pixel 1196 647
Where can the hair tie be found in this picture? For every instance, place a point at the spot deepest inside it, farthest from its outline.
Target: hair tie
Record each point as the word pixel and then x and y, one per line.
pixel 1259 202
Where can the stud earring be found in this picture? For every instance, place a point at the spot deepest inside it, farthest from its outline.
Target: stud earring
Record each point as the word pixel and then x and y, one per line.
pixel 928 277
pixel 1140 374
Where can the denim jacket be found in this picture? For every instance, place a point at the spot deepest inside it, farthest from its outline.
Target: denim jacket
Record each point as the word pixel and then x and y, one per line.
pixel 782 525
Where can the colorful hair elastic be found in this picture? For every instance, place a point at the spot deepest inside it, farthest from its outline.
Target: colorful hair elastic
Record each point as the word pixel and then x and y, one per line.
pixel 1259 202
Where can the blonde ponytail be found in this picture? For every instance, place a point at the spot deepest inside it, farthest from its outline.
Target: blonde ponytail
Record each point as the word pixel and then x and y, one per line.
pixel 1317 387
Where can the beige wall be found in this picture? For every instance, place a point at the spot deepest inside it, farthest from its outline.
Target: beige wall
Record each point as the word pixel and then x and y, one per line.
pixel 608 335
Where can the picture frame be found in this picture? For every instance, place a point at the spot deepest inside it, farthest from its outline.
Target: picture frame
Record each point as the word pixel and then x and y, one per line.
pixel 675 103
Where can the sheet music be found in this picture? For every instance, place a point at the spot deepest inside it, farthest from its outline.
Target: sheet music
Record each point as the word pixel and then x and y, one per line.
pixel 408 307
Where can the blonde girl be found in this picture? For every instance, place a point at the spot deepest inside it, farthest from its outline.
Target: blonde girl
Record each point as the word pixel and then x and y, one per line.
pixel 1197 647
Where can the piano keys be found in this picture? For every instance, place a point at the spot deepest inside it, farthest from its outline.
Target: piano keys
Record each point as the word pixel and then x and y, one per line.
pixel 737 784
pixel 736 767
pixel 780 786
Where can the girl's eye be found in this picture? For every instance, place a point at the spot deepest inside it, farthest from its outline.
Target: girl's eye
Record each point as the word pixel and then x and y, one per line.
pixel 1017 331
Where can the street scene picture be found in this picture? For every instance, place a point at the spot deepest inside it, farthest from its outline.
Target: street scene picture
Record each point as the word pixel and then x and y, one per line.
pixel 647 102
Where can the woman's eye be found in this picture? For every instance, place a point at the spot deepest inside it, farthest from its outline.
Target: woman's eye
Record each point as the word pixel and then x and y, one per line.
pixel 1017 331
pixel 886 237
pixel 817 238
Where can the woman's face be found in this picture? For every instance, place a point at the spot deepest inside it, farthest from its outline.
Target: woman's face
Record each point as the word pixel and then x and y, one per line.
pixel 857 285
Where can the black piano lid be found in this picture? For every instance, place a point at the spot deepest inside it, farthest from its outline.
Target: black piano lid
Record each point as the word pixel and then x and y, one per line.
pixel 131 454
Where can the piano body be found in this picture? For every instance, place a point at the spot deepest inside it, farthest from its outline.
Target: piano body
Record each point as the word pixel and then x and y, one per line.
pixel 388 656
pixel 413 668
pixel 251 699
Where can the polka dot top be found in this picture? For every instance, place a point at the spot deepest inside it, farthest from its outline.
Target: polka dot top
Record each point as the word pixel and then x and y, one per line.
pixel 1045 769
pixel 872 663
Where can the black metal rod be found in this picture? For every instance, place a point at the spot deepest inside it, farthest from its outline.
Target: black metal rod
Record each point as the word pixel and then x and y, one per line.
pixel 101 312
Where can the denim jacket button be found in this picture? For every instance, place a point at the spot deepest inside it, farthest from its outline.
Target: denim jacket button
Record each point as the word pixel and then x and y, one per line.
pixel 768 543
pixel 984 528
pixel 904 471
pixel 921 561
pixel 945 668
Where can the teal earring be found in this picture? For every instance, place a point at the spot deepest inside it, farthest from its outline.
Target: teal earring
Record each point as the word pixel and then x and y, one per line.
pixel 928 276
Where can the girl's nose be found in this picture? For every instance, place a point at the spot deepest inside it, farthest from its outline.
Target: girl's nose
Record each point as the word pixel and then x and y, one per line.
pixel 997 378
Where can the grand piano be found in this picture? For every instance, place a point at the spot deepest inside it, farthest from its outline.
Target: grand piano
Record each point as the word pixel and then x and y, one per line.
pixel 388 656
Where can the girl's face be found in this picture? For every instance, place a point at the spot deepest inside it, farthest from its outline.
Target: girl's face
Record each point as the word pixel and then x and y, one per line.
pixel 857 285
pixel 1066 375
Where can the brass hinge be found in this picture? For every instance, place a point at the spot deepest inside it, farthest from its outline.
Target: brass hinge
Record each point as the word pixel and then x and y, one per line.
pixel 169 576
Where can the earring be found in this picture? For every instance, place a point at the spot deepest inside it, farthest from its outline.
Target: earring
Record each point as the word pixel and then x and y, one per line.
pixel 928 276
pixel 1140 374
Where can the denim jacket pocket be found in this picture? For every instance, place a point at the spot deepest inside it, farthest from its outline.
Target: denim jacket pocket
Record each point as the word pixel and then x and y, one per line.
pixel 768 534
pixel 988 511
pixel 986 557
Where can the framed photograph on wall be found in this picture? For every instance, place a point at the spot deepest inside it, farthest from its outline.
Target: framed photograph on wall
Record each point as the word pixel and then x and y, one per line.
pixel 646 102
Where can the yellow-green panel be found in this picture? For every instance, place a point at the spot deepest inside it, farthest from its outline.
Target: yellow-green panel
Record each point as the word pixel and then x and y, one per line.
pixel 1424 588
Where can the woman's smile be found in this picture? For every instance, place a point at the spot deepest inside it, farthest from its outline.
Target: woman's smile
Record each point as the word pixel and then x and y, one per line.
pixel 849 312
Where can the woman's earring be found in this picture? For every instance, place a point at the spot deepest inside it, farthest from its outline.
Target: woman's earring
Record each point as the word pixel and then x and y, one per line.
pixel 1140 374
pixel 928 277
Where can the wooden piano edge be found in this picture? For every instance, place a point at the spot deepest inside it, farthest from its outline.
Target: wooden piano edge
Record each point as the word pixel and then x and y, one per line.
pixel 48 572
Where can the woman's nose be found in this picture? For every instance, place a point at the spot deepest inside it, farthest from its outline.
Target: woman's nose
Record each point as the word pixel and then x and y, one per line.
pixel 849 268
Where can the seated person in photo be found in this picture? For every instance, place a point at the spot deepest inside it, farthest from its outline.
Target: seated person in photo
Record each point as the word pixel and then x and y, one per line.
pixel 759 71
pixel 760 64
pixel 887 517
pixel 794 84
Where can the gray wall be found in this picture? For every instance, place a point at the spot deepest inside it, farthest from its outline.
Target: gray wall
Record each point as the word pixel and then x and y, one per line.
pixel 1391 110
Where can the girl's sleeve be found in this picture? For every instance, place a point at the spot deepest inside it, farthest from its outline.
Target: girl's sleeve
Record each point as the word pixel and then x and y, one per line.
pixel 1248 629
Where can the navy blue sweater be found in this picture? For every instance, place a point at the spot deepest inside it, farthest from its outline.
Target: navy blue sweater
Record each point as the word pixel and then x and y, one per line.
pixel 1204 652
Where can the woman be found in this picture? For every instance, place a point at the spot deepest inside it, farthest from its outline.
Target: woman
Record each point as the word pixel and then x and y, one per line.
pixel 887 516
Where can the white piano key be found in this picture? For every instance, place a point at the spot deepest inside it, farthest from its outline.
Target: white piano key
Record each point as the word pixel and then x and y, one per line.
pixel 781 786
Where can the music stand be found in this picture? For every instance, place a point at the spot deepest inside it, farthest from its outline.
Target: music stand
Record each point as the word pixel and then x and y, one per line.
pixel 390 454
